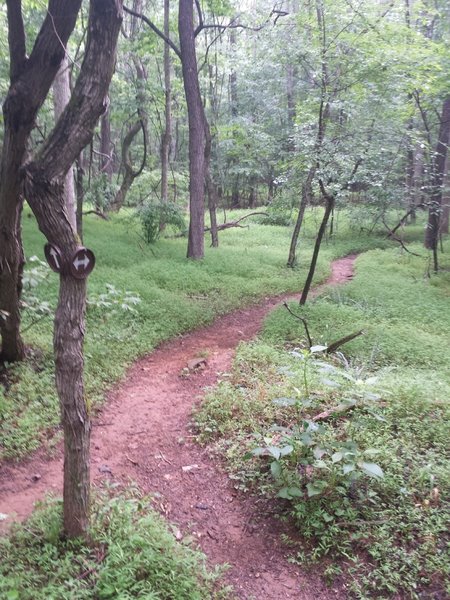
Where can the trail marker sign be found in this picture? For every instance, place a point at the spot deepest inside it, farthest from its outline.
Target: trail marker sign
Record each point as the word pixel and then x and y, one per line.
pixel 82 263
pixel 54 257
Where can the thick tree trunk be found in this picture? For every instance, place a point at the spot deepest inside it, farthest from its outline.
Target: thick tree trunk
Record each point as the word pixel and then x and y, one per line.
pixel 43 186
pixel 68 346
pixel 323 226
pixel 197 136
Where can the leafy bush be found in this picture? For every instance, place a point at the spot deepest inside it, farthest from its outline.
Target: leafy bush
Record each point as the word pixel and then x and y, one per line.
pixel 101 192
pixel 154 216
pixel 279 211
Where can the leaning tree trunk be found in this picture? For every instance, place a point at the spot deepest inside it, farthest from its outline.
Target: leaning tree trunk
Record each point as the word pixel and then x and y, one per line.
pixel 197 137
pixel 129 175
pixel 312 268
pixel 305 200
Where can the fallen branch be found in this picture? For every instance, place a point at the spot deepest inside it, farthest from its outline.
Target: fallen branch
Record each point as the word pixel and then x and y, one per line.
pixel 338 343
pixel 236 223
pixel 305 323
pixel 401 222
pixel 393 237
pixel 332 411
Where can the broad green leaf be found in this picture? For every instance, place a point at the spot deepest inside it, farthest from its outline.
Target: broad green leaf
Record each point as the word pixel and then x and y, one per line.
pixel 275 469
pixel 371 469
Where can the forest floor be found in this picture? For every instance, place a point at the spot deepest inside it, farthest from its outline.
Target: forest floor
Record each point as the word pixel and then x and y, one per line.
pixel 143 435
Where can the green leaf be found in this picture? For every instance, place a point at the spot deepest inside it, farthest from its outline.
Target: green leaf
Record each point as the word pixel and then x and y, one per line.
pixel 371 469
pixel 274 451
pixel 317 348
pixel 290 492
pixel 283 401
pixel 285 450
pixel 348 468
pixel 315 488
pixel 275 469
pixel 337 456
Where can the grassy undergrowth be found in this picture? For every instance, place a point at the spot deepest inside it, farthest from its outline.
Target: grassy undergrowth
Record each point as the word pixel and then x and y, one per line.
pixel 131 554
pixel 141 295
pixel 354 447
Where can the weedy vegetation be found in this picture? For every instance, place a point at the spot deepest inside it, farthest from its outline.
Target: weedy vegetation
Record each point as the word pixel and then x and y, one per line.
pixel 138 296
pixel 131 554
pixel 352 447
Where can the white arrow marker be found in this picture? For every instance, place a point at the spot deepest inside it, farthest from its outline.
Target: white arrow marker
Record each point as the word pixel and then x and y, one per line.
pixel 54 254
pixel 78 262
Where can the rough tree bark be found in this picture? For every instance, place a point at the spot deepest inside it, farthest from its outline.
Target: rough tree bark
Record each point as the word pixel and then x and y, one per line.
pixel 30 80
pixel 43 186
pixel 197 135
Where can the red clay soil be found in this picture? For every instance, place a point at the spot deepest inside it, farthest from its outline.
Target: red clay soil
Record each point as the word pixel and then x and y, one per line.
pixel 142 435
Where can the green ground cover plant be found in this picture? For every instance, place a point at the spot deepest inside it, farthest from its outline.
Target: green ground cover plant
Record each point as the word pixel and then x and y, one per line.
pixel 352 447
pixel 131 554
pixel 140 295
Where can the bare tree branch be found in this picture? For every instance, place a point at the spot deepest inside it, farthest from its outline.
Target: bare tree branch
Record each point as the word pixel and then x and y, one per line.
pixel 154 28
pixel 304 321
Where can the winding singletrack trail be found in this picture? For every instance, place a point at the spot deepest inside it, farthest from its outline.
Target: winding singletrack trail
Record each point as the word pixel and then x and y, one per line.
pixel 142 435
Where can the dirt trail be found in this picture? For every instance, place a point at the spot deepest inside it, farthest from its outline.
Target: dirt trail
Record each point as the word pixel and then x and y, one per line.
pixel 142 435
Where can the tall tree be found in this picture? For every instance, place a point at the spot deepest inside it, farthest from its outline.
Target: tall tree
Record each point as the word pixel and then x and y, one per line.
pixel 41 179
pixel 166 140
pixel 197 133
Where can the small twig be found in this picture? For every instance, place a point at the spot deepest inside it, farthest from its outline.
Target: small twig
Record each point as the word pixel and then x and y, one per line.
pixel 305 324
pixel 134 462
pixel 165 459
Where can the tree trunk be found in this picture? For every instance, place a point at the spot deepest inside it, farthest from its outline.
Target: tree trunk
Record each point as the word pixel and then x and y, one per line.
pixel 166 141
pixel 43 187
pixel 437 178
pixel 445 198
pixel 69 363
pixel 128 173
pixel 30 80
pixel 106 152
pixel 329 206
pixel 197 137
pixel 61 97
pixel 80 194
pixel 305 200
